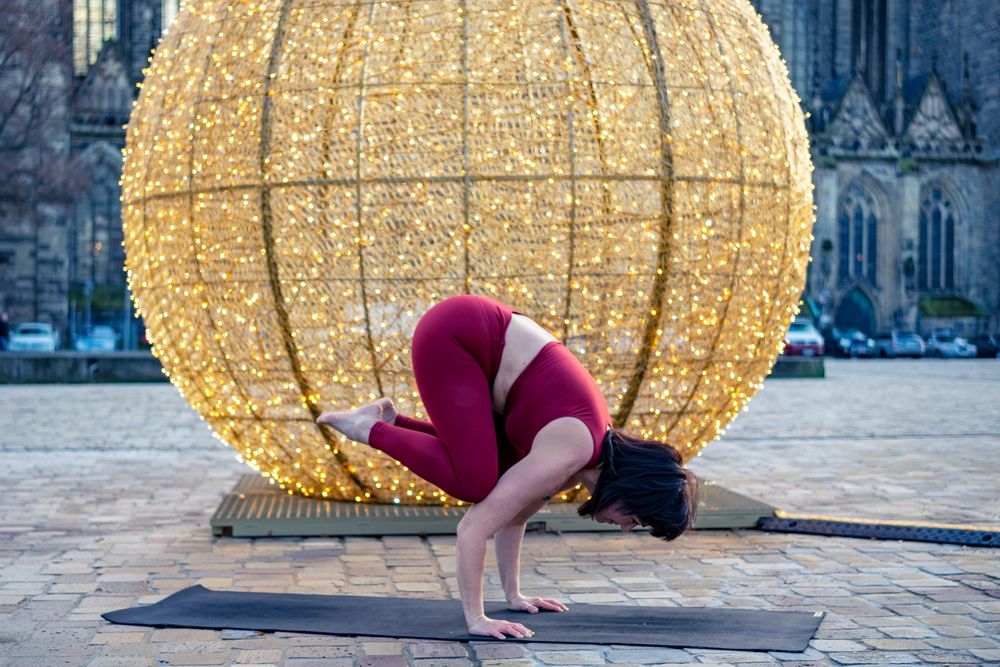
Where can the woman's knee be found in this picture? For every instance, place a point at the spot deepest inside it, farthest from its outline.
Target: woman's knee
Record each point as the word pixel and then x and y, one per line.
pixel 470 493
pixel 477 481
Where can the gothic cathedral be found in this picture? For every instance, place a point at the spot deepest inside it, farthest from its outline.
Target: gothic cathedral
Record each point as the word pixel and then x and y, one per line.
pixel 903 98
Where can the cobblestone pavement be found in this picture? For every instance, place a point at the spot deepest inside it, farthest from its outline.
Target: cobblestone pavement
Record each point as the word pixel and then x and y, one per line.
pixel 108 489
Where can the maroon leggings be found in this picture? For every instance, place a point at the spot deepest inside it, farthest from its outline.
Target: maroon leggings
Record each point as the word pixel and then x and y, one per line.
pixel 455 354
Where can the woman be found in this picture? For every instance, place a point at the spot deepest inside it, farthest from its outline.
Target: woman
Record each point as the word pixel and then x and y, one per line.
pixel 515 419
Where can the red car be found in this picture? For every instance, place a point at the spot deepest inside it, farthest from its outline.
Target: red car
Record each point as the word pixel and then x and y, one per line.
pixel 803 340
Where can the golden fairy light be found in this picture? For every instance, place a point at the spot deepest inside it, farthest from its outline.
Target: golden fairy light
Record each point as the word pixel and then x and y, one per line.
pixel 304 179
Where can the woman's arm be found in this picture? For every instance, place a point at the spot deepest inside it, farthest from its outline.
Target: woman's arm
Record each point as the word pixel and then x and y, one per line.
pixel 471 562
pixel 529 481
pixel 507 545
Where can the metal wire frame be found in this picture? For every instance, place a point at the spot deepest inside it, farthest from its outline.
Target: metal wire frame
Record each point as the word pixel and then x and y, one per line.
pixel 642 24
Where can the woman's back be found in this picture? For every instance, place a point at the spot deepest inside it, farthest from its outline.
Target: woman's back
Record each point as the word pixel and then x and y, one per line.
pixel 523 340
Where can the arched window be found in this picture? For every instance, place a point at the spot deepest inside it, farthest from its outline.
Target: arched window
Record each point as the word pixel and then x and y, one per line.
pixel 856 311
pixel 938 218
pixel 868 43
pixel 857 224
pixel 94 22
pixel 98 230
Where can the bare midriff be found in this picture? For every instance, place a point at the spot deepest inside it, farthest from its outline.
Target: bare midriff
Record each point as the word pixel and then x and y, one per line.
pixel 523 340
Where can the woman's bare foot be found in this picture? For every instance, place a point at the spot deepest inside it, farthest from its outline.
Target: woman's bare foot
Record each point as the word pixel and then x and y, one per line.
pixel 357 424
pixel 389 413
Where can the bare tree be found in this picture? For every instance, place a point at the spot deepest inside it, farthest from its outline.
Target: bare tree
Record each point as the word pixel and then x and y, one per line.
pixel 35 74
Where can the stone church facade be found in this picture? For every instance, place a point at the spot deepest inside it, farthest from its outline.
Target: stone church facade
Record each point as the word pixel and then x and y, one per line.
pixel 903 98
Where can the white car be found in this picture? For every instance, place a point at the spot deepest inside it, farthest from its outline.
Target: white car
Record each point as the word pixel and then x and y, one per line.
pixel 947 344
pixel 899 344
pixel 97 338
pixel 33 337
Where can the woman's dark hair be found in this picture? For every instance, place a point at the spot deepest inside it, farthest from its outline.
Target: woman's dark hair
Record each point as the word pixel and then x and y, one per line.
pixel 648 478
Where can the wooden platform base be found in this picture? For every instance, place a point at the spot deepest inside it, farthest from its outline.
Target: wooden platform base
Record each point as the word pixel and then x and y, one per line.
pixel 254 508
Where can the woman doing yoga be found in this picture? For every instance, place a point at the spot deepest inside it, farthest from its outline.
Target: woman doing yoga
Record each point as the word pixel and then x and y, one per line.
pixel 514 419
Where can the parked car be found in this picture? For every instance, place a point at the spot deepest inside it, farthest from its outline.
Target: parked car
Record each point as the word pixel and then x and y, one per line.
pixel 835 343
pixel 803 339
pixel 97 339
pixel 943 343
pixel 987 346
pixel 849 342
pixel 899 344
pixel 861 344
pixel 33 337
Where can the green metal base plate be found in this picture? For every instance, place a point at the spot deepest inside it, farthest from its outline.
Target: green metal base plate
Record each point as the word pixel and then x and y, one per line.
pixel 254 508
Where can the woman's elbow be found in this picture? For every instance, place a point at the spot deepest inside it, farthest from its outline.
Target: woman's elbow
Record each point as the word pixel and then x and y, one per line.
pixel 477 496
pixel 471 527
pixel 465 528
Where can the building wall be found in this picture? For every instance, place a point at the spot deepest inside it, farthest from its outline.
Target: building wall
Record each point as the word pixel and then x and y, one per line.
pixel 899 194
pixel 948 29
pixel 942 33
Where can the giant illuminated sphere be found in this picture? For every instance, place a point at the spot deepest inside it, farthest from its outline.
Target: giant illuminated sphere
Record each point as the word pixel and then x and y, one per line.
pixel 304 179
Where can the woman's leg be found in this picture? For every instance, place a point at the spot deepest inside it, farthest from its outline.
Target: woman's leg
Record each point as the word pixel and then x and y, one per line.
pixel 356 424
pixel 412 424
pixel 451 354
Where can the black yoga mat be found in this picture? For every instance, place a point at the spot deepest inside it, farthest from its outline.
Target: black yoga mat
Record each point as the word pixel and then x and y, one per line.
pixel 692 627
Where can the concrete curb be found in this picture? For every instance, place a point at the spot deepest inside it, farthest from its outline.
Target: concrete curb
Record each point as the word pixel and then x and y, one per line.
pixel 79 367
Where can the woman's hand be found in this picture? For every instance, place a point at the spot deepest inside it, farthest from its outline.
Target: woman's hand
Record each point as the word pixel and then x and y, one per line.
pixel 534 605
pixel 491 627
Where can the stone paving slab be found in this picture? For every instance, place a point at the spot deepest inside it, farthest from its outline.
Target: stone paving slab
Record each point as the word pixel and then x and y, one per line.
pixel 105 506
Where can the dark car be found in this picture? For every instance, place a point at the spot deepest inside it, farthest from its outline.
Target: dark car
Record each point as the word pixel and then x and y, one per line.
pixel 850 342
pixel 987 346
pixel 836 343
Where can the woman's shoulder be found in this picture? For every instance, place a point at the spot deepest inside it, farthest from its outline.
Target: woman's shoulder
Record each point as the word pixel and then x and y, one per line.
pixel 565 438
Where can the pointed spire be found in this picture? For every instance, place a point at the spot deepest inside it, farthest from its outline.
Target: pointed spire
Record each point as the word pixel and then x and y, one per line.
pixel 966 78
pixel 899 105
pixel 818 119
pixel 967 109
